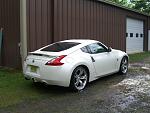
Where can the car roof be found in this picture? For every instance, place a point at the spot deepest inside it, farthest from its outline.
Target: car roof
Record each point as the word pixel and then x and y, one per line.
pixel 82 41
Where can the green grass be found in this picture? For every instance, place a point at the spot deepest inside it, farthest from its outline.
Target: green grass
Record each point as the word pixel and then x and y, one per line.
pixel 15 89
pixel 138 57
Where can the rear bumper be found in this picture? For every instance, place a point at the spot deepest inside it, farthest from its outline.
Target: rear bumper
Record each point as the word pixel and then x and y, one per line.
pixel 47 81
pixel 50 75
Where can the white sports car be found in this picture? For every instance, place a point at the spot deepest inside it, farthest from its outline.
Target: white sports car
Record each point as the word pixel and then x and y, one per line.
pixel 74 63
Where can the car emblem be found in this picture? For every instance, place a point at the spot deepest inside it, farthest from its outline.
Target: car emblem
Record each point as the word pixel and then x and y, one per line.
pixel 33 61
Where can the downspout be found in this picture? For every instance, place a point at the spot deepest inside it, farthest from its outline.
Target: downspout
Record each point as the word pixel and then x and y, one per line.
pixel 1 40
pixel 23 30
pixel 149 33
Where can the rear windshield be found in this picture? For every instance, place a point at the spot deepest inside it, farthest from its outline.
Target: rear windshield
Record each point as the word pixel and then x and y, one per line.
pixel 60 46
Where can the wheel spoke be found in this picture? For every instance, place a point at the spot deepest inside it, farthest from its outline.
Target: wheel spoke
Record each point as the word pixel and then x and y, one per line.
pixel 76 76
pixel 125 62
pixel 83 77
pixel 81 83
pixel 81 73
pixel 77 83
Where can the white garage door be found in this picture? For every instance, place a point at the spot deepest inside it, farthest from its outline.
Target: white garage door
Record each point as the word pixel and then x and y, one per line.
pixel 135 37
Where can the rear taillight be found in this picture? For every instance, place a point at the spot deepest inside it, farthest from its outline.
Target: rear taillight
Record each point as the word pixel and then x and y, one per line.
pixel 56 61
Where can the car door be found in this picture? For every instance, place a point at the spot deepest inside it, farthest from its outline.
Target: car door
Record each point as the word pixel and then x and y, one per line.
pixel 104 61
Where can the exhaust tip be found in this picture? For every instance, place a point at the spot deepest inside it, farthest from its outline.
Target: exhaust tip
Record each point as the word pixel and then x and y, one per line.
pixel 44 82
pixel 27 78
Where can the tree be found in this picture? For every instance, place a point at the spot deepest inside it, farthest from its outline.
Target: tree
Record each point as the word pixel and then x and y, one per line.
pixel 142 5
pixel 121 2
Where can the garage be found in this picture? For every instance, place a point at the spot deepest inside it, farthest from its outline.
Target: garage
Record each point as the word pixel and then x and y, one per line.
pixel 42 22
pixel 135 35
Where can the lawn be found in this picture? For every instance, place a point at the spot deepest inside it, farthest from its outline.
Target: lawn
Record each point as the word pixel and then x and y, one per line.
pixel 14 89
pixel 139 56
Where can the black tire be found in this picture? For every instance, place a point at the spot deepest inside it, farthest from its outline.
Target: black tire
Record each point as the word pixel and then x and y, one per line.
pixel 123 66
pixel 35 82
pixel 79 79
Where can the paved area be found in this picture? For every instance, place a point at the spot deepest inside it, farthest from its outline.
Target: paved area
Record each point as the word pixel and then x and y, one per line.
pixel 113 94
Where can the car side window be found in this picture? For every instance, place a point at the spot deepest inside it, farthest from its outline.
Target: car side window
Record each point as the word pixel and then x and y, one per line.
pixel 97 48
pixel 84 49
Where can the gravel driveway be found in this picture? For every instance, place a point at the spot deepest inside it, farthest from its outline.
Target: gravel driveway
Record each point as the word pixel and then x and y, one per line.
pixel 113 94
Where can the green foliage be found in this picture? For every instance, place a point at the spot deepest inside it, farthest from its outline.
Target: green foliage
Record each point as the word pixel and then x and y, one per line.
pixel 121 2
pixel 142 5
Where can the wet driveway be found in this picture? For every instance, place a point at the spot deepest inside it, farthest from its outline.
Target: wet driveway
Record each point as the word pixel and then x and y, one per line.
pixel 113 94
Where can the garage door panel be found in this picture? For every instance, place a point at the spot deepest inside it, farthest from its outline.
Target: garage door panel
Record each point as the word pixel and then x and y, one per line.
pixel 134 43
pixel 135 46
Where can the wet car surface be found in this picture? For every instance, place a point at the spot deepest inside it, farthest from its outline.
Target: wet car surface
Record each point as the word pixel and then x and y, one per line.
pixel 112 94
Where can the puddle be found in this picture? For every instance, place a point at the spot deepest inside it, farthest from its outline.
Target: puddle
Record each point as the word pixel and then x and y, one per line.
pixel 126 102
pixel 130 89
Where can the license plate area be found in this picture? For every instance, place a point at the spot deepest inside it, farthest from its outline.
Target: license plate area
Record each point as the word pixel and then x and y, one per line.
pixel 33 69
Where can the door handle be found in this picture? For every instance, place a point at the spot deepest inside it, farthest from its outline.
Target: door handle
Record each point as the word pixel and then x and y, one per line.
pixel 93 60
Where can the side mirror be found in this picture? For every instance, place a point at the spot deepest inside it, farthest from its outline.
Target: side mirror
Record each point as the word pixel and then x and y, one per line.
pixel 109 49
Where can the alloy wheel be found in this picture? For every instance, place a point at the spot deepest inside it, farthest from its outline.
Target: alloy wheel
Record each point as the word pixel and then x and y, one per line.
pixel 81 78
pixel 124 65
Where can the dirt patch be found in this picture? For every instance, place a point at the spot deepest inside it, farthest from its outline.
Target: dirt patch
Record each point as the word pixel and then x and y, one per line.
pixel 131 90
pixel 143 66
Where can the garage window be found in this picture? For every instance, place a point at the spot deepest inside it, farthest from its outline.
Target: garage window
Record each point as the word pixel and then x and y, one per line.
pixel 141 35
pixel 137 35
pixel 131 34
pixel 126 34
